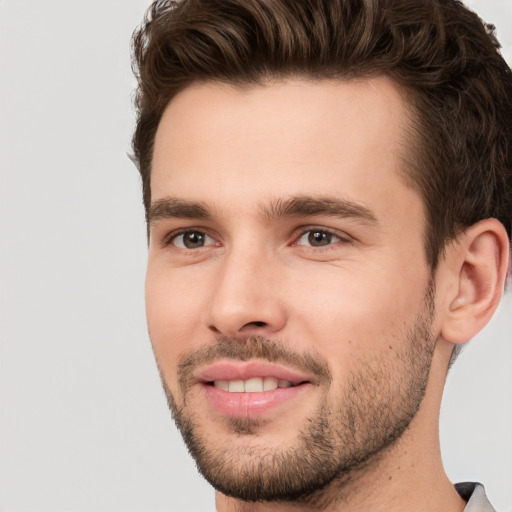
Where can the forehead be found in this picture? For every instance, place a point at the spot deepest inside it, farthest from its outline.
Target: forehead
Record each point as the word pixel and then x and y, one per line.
pixel 225 144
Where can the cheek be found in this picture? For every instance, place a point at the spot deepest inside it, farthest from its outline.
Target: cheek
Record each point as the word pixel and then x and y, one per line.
pixel 349 316
pixel 173 319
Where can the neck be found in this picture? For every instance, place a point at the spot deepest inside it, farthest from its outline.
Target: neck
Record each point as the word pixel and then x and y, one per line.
pixel 406 476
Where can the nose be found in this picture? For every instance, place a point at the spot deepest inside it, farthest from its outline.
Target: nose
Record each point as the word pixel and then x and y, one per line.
pixel 246 300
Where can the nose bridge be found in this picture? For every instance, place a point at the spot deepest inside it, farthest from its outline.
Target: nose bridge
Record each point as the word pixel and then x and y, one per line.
pixel 243 300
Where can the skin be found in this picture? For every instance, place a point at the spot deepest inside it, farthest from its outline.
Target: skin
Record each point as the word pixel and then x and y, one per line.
pixel 237 153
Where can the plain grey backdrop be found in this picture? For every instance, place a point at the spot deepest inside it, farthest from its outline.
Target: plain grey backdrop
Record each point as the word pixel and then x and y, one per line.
pixel 83 422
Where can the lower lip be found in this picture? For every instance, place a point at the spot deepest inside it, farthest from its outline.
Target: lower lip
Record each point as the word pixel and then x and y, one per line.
pixel 250 405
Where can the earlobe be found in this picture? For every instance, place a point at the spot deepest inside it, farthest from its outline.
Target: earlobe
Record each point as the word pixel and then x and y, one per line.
pixel 481 262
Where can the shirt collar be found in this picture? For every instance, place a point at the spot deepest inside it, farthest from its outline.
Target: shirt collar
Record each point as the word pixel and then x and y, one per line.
pixel 474 494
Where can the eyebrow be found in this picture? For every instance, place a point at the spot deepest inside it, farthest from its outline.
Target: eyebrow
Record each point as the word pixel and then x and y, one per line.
pixel 169 208
pixel 305 206
pixel 294 206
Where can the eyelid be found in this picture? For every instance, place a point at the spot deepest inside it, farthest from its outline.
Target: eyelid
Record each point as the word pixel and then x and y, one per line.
pixel 299 233
pixel 334 239
pixel 168 238
pixel 172 235
pixel 302 230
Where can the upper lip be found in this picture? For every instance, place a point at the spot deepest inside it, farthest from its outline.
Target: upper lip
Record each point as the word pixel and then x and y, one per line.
pixel 238 370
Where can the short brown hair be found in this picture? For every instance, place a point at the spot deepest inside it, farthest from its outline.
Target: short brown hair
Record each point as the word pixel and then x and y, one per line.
pixel 438 51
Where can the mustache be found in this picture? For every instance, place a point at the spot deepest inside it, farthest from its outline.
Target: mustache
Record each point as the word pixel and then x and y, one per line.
pixel 253 347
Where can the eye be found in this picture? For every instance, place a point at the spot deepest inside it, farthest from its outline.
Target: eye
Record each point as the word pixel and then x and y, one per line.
pixel 192 240
pixel 318 238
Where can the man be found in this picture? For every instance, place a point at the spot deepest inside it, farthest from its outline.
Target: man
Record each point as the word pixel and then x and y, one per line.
pixel 328 189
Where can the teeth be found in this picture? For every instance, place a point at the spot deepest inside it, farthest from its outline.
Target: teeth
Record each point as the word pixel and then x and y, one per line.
pixel 255 385
pixel 236 386
pixel 222 384
pixel 270 383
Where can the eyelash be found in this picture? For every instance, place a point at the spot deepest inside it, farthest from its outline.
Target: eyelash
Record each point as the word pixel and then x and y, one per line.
pixel 304 231
pixel 168 240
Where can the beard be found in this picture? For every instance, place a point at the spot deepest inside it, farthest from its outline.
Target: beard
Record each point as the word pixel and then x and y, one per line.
pixel 348 431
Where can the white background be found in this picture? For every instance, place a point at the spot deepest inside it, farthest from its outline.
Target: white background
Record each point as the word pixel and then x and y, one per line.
pixel 83 422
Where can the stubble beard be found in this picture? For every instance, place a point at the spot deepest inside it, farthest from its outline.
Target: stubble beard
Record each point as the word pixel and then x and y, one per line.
pixel 347 433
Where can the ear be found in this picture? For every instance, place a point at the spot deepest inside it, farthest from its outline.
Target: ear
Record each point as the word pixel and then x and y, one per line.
pixel 479 262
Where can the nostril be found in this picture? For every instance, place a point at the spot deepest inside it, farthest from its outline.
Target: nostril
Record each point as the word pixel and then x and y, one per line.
pixel 255 324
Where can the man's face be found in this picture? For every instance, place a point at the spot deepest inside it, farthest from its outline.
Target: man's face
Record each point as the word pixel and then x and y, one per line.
pixel 289 302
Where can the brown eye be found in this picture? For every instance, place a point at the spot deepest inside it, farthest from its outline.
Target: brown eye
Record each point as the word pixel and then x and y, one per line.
pixel 192 240
pixel 319 238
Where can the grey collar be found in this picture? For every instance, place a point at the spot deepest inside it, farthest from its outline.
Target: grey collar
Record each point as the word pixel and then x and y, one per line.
pixel 474 494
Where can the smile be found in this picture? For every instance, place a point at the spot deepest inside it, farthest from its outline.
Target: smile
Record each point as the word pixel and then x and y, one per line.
pixel 254 385
pixel 250 389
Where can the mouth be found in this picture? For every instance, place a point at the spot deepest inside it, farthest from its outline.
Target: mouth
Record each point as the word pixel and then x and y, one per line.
pixel 253 385
pixel 250 389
